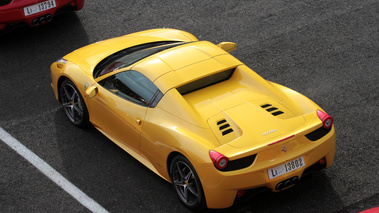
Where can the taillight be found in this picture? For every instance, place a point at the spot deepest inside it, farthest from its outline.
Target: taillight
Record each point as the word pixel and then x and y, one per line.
pixel 322 161
pixel 240 193
pixel 327 120
pixel 3 26
pixel 219 160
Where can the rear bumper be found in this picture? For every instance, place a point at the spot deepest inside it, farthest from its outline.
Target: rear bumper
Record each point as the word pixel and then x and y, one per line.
pixel 221 188
pixel 12 15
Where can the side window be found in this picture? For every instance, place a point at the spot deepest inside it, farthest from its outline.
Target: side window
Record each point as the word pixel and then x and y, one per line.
pixel 132 86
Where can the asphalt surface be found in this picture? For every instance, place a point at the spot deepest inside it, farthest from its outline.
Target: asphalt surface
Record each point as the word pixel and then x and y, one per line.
pixel 328 50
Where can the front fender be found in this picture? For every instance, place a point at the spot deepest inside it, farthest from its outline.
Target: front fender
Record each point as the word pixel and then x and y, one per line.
pixel 70 71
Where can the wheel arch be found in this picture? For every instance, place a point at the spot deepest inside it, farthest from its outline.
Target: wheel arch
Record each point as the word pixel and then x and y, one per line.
pixel 84 120
pixel 61 79
pixel 195 158
pixel 170 157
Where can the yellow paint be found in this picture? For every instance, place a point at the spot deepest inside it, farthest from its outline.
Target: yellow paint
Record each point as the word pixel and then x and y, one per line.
pixel 187 124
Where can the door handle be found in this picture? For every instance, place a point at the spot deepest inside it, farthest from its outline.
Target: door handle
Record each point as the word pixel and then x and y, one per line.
pixel 91 91
pixel 138 121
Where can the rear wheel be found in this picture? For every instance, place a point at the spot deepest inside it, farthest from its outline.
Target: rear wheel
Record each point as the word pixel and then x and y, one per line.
pixel 73 104
pixel 186 183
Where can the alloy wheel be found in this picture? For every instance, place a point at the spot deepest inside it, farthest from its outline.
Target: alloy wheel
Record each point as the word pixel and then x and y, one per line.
pixel 72 103
pixel 186 184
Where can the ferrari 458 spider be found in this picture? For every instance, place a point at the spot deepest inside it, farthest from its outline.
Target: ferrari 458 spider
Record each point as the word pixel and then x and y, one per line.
pixel 15 13
pixel 194 115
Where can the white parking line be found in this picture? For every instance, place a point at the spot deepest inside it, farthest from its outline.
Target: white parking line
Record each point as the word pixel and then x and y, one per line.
pixel 50 172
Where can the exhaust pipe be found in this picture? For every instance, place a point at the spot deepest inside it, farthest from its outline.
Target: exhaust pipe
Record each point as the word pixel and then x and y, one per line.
pixel 42 20
pixel 295 180
pixel 287 183
pixel 280 186
pixel 35 22
pixel 49 17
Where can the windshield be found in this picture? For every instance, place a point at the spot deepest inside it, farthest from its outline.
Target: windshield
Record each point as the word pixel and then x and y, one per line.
pixel 131 55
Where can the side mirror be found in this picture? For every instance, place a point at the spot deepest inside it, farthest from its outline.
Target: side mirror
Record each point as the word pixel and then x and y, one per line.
pixel 227 46
pixel 92 91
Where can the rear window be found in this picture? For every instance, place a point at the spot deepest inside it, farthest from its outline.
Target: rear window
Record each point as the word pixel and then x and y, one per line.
pixel 205 82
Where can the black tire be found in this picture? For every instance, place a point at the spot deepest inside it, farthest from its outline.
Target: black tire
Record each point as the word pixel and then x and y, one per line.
pixel 187 184
pixel 73 104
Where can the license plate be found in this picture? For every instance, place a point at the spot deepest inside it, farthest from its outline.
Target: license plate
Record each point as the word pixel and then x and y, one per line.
pixel 36 8
pixel 285 168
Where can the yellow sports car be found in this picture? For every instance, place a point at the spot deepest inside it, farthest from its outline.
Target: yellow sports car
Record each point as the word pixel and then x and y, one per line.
pixel 194 115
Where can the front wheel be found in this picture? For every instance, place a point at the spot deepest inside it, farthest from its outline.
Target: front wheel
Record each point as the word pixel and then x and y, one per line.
pixel 186 183
pixel 73 104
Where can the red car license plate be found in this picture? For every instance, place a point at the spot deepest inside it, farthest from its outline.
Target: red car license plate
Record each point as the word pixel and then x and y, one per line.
pixel 36 8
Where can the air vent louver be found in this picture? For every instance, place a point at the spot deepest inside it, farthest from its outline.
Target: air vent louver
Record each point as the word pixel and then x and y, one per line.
pixel 277 113
pixel 224 127
pixel 273 110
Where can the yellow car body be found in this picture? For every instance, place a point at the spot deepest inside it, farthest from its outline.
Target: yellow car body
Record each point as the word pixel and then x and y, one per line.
pixel 256 124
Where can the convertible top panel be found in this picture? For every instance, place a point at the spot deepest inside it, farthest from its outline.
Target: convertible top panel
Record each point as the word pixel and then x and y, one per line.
pixel 89 56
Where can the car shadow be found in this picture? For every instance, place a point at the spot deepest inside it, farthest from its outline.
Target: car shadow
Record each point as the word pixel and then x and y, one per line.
pixel 313 193
pixel 25 58
pixel 48 40
pixel 107 173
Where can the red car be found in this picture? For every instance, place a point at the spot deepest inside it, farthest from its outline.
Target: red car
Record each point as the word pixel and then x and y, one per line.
pixel 15 13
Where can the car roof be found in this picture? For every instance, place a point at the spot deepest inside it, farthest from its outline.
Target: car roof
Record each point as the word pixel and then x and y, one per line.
pixel 89 56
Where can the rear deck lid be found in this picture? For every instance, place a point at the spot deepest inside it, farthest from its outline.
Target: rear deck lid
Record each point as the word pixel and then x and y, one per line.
pixel 249 124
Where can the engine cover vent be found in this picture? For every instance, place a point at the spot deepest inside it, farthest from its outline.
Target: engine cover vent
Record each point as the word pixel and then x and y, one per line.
pixel 224 127
pixel 271 109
